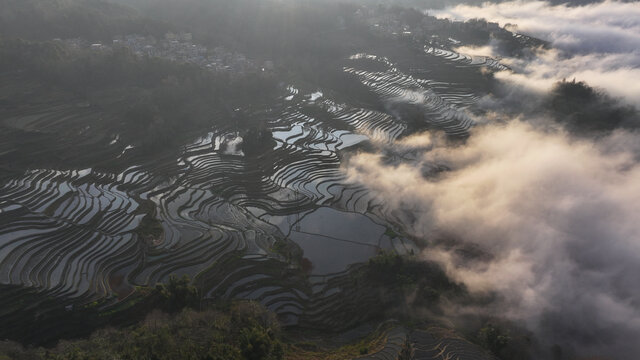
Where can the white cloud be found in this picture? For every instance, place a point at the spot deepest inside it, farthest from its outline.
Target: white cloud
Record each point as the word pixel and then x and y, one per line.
pixel 559 216
pixel 606 27
pixel 597 43
pixel 615 73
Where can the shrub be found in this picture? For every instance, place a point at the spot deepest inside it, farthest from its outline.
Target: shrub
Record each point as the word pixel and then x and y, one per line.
pixel 493 338
pixel 177 294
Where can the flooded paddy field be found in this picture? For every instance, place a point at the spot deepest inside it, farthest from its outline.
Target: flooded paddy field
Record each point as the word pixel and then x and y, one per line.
pixel 269 218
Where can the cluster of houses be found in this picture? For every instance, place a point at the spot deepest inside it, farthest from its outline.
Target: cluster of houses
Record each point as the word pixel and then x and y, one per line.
pixel 391 23
pixel 180 48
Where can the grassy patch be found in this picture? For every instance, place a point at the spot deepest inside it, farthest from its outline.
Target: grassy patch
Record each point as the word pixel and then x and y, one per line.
pixel 390 233
pixel 311 351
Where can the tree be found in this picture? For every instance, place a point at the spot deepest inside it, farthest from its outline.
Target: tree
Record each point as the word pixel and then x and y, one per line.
pixel 258 344
pixel 493 338
pixel 178 293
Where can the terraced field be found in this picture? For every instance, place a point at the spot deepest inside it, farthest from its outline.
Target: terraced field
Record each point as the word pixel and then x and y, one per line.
pixel 443 111
pixel 441 344
pixel 396 343
pixel 462 60
pixel 63 231
pixel 77 234
pixel 430 344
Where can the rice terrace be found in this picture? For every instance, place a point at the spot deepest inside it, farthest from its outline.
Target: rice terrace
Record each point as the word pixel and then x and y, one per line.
pixel 316 179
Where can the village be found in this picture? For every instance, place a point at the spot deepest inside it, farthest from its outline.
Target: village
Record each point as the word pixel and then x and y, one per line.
pixel 418 27
pixel 179 47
